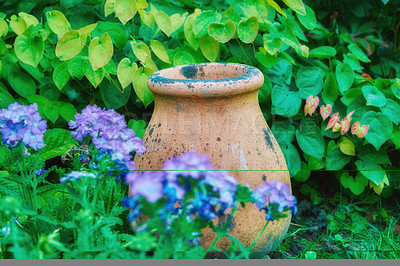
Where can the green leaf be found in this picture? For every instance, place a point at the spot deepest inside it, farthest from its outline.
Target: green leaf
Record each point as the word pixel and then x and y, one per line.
pixel 140 85
pixel 248 29
pixel 52 111
pixel 310 139
pixel 322 52
pixel 358 53
pixel 22 84
pixel 138 126
pixel 284 131
pixel 57 22
pixel 303 174
pixel 395 138
pixel 296 5
pixel 330 91
pixel 117 32
pixel 273 4
pixel 336 160
pixel 209 47
pixel 125 72
pixel 177 21
pixel 266 60
pixel 396 89
pixel 309 80
pixel 314 163
pixel 188 31
pixel 147 18
pixel 57 141
pixel 347 146
pixel 18 24
pixel 95 77
pixel 61 75
pixel 281 73
pixel 292 157
pixel 67 111
pixel 371 170
pixel 41 102
pixel 5 97
pixel 380 128
pixel 256 8
pixel 70 3
pixel 344 77
pixel 356 185
pixel 309 21
pixel 70 45
pixel 392 110
pixel 369 153
pixel 85 31
pixel 112 96
pixel 163 22
pixel 203 20
pixel 141 50
pixel 284 102
pixel 100 51
pixel 183 58
pixel 271 44
pixel 109 7
pixel 159 51
pixel 222 32
pixel 3 28
pixel 75 68
pixel 373 96
pixel 125 10
pixel 29 50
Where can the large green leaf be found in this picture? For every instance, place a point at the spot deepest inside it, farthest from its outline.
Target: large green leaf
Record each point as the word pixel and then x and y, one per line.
pixel 57 22
pixel 358 53
pixel 125 10
pixel 188 31
pixel 371 170
pixel 70 45
pixel 330 91
pixel 125 72
pixel 292 157
pixel 67 111
pixel 61 75
pixel 284 102
pixel 369 153
pixel 322 52
pixel 75 68
pixel 310 139
pixel 159 51
pixel 284 131
pixel 296 5
pixel 112 96
pixel 52 110
pixel 222 32
pixel 392 110
pixel 373 96
pixel 271 43
pixel 281 73
pixel 100 51
pixel 209 47
pixel 58 141
pixel 117 32
pixel 138 126
pixel 5 98
pixel 309 80
pixel 257 8
pixel 141 50
pixel 22 84
pixel 183 58
pixel 266 60
pixel 336 160
pixel 395 87
pixel 203 20
pixel 95 77
pixel 344 77
pixel 18 24
pixel 140 85
pixel 380 128
pixel 248 29
pixel 163 22
pixel 29 50
pixel 309 21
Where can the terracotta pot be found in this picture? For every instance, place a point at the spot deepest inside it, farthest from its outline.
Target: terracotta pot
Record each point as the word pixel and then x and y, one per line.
pixel 213 109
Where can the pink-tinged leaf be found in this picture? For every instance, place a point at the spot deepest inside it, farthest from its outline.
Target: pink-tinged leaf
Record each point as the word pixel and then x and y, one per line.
pixel 336 127
pixel 333 120
pixel 345 125
pixel 359 130
pixel 348 116
pixel 311 105
pixel 326 111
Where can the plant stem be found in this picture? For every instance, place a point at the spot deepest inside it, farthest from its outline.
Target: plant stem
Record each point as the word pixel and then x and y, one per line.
pixel 258 236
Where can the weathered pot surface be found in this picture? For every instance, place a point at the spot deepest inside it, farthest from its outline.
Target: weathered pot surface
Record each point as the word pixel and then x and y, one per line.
pixel 213 109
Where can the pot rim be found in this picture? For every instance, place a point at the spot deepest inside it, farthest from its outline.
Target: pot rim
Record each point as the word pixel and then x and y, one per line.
pixel 250 81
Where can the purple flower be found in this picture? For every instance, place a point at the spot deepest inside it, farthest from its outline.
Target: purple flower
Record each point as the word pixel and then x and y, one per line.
pixel 277 193
pixel 40 172
pixel 76 175
pixel 149 185
pixel 22 123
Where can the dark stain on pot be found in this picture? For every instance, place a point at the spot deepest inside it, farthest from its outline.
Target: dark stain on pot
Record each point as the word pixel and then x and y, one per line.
pixel 218 139
pixel 263 178
pixel 151 132
pixel 189 72
pixel 267 136
pixel 159 124
pixel 178 109
pixel 220 155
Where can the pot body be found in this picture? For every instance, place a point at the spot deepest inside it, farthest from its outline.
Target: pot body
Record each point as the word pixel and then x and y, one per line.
pixel 232 131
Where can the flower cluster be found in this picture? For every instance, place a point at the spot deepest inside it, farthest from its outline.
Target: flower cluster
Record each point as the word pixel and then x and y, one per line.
pixel 109 132
pixel 22 123
pixel 181 175
pixel 334 122
pixel 274 193
pixel 76 175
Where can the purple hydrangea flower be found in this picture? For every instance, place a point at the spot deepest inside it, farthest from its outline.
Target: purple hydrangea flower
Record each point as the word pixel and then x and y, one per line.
pixel 76 175
pixel 109 132
pixel 149 185
pixel 22 123
pixel 275 192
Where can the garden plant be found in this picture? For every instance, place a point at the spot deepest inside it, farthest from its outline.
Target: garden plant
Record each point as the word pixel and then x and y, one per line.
pixel 74 105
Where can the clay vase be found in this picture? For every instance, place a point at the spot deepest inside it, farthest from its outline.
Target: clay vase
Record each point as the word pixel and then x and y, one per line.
pixel 213 109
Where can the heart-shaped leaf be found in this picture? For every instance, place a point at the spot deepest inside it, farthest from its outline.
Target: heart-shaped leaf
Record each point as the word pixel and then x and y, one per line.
pixel 203 20
pixel 94 77
pixel 29 50
pixel 100 51
pixel 140 85
pixel 392 110
pixel 371 170
pixel 248 29
pixel 209 47
pixel 57 22
pixel 284 102
pixel 347 146
pixel 373 96
pixel 160 51
pixel 183 58
pixel 125 72
pixel 61 75
pixel 70 45
pixel 344 77
pixel 222 32
pixel 125 10
pixel 266 60
pixel 310 139
pixel 336 160
pixel 322 52
pixel 188 31
pixel 358 53
pixel 141 50
pixel 380 128
pixel 309 80
pixel 163 22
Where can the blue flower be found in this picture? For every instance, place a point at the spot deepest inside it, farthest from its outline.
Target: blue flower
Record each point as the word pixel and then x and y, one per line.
pixel 76 175
pixel 40 172
pixel 149 185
